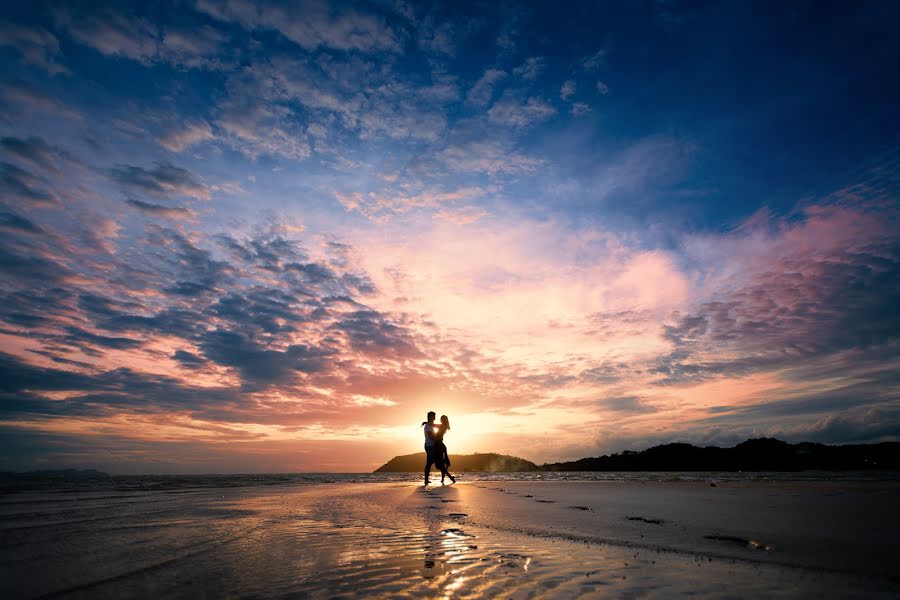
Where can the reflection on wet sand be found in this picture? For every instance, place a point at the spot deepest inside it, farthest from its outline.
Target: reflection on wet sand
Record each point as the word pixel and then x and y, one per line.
pixel 453 561
pixel 341 540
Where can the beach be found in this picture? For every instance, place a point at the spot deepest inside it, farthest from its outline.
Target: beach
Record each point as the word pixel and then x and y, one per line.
pixel 478 538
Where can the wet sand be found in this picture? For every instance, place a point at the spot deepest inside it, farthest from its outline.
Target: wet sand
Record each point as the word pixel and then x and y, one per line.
pixel 510 539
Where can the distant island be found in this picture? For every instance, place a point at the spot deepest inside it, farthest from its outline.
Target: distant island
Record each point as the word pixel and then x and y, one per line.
pixel 762 454
pixel 461 463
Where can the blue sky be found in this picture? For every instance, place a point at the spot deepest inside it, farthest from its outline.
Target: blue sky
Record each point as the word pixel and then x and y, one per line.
pixel 253 236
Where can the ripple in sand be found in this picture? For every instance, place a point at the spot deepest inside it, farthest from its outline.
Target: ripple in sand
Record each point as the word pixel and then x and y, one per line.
pixel 455 532
pixel 646 520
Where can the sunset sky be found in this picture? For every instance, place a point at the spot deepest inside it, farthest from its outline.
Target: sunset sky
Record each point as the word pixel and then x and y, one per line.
pixel 239 236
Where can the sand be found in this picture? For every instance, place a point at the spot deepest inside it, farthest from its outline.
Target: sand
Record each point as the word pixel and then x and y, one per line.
pixel 476 539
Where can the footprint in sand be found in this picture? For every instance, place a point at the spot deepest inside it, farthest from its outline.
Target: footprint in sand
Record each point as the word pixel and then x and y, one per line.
pixel 646 520
pixel 458 515
pixel 547 501
pixel 582 508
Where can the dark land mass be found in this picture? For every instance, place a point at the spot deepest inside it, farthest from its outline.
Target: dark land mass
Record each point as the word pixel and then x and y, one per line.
pixel 460 463
pixel 763 454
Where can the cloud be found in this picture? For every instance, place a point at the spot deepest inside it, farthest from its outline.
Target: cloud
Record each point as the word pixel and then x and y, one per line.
pixel 163 180
pixel 508 36
pixel 512 112
pixel 116 31
pixel 859 425
pixel 531 68
pixel 13 222
pixel 289 106
pixel 256 129
pixel 197 273
pixel 633 176
pixel 193 47
pixel 380 206
pixel 465 215
pixel 492 157
pixel 22 186
pixel 261 109
pixel 567 90
pixel 100 394
pixel 361 400
pixel 177 139
pixel 437 38
pixel 260 365
pixel 482 92
pixel 607 372
pixel 36 45
pixel 602 88
pixel 112 33
pixel 579 109
pixel 311 24
pixel 792 304
pixel 627 404
pixel 158 210
pixel 188 359
pixel 21 98
pixel 594 61
pixel 80 337
pixel 28 268
pixel 37 153
pixel 288 324
pixel 370 332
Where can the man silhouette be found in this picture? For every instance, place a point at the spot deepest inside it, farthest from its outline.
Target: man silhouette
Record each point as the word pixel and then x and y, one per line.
pixel 430 446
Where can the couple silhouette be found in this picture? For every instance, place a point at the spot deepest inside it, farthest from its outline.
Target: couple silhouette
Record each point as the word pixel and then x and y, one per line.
pixel 435 450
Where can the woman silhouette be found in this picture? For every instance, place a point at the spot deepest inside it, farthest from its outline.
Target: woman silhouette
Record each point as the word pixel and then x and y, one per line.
pixel 442 459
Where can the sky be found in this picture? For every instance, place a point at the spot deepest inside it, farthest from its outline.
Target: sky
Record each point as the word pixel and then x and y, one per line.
pixel 253 236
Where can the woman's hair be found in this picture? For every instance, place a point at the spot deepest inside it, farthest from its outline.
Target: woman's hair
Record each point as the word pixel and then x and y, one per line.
pixel 445 422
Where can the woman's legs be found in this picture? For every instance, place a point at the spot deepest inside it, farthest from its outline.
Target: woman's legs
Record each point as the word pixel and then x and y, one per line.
pixel 444 463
